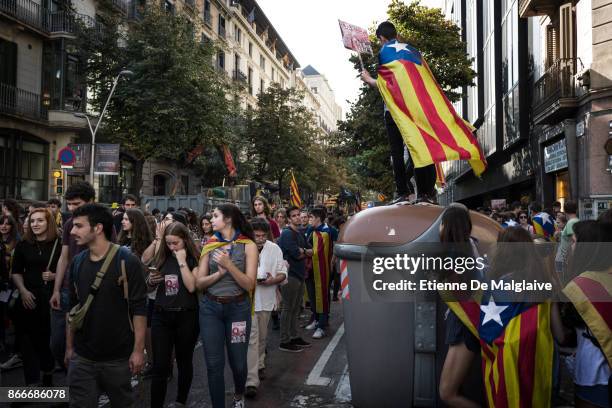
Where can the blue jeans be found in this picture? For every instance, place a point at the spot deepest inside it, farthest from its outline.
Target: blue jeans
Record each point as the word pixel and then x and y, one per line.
pixel 225 325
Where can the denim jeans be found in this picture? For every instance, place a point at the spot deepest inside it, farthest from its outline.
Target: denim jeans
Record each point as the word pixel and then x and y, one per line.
pixel 225 326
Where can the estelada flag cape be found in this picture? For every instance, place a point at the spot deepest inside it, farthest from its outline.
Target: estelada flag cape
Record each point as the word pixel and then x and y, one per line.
pixel 217 242
pixel 431 128
pixel 516 347
pixel 322 249
pixel 591 295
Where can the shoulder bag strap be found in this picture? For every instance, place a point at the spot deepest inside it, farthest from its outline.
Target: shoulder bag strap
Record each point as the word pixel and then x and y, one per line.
pixel 52 254
pixel 109 257
pixel 126 293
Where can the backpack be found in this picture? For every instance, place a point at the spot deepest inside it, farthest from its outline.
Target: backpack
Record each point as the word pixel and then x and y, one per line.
pixel 120 259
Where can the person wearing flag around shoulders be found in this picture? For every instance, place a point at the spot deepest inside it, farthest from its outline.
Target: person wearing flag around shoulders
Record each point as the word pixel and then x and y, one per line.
pixel 228 273
pixel 425 177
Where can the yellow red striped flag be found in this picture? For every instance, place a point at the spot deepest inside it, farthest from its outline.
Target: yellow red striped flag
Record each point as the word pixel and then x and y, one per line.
pixel 295 198
pixel 430 126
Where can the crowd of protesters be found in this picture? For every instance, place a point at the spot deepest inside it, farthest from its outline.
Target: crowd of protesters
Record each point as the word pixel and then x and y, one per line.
pixel 107 294
pixel 578 267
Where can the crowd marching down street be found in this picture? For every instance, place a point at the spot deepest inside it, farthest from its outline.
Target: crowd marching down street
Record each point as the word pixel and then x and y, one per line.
pixel 100 297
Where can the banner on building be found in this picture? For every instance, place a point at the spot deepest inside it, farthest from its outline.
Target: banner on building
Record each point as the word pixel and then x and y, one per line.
pixel 82 163
pixel 355 38
pixel 107 159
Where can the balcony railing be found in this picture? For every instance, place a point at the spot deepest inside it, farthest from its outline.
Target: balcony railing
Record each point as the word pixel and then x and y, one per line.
pixel 239 76
pixel 25 11
pixel 555 90
pixel 16 101
pixel 49 22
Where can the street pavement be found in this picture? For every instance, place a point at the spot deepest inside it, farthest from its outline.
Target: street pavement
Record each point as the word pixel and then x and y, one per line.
pixel 316 377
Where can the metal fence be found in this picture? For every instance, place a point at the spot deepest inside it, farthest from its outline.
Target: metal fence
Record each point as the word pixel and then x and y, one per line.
pixel 26 11
pixel 16 101
pixel 556 83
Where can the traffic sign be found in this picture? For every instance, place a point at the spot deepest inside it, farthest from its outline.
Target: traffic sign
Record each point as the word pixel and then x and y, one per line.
pixel 66 157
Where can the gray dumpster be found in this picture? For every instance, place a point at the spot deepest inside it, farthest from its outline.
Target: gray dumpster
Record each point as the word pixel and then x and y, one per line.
pixel 396 349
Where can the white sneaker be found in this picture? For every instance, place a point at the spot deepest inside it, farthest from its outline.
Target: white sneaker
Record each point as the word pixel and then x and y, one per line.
pixel 238 403
pixel 13 362
pixel 312 325
pixel 318 334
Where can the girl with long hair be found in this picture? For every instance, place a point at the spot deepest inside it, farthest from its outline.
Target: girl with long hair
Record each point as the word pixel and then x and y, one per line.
pixel 9 237
pixel 174 323
pixel 455 231
pixel 524 223
pixel 582 324
pixel 261 208
pixel 135 232
pixel 227 271
pixel 33 273
pixel 206 230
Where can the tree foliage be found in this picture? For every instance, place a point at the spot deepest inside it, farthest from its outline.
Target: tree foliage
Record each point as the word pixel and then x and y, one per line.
pixel 362 137
pixel 175 100
pixel 282 135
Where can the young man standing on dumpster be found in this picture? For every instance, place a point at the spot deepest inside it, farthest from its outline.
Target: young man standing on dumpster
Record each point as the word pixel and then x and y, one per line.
pixel 425 177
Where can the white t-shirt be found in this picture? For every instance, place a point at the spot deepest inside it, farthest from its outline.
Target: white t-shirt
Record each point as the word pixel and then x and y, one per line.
pixel 270 261
pixel 590 365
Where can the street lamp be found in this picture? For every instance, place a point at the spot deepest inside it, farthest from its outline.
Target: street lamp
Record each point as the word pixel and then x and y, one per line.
pixel 94 131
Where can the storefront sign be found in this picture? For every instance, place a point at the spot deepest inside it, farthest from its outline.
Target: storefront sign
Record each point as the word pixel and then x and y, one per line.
pixel 107 159
pixel 555 156
pixel 82 160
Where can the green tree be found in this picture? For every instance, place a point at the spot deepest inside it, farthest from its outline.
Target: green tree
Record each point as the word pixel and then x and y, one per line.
pixel 362 137
pixel 175 100
pixel 281 133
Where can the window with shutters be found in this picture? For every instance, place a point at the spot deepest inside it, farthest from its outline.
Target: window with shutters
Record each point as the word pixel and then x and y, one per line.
pixel 552 49
pixel 566 31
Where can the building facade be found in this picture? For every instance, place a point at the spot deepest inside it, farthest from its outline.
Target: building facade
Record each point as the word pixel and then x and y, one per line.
pixel 41 88
pixel 541 103
pixel 330 112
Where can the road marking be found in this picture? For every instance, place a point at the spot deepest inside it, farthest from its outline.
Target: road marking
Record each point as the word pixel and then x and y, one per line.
pixel 314 378
pixel 343 391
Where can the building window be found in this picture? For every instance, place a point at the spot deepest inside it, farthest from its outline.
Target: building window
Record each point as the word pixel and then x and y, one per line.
pixel 262 62
pixel 185 185
pixel 273 74
pixel 261 86
pixel 237 72
pixel 207 13
pixel 169 6
pixel 159 185
pixel 251 49
pixel 221 30
pixel 314 90
pixel 23 167
pixel 221 60
pixel 250 80
pixel 8 68
pixel 238 35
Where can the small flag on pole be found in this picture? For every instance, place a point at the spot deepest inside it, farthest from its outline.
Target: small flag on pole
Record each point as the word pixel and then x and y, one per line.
pixel 296 200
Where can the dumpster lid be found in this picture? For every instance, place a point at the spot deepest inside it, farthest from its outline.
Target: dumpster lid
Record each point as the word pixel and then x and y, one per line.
pixel 401 223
